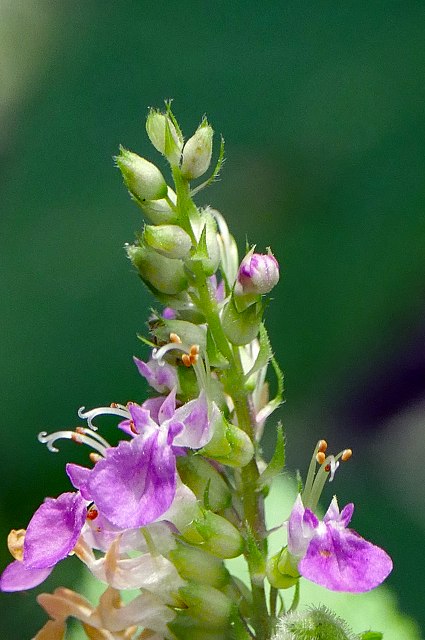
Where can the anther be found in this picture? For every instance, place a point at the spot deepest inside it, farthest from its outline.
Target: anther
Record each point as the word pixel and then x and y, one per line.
pixel 133 427
pixel 320 457
pixel 79 430
pixel 322 446
pixel 346 455
pixel 186 359
pixel 175 339
pixel 95 457
pixel 113 405
pixel 194 350
pixel 75 437
pixel 92 514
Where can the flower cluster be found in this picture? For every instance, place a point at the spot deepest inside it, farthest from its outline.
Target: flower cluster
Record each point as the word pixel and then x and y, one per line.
pixel 183 490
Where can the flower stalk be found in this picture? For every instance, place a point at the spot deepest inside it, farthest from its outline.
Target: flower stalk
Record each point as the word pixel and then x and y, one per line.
pixel 184 489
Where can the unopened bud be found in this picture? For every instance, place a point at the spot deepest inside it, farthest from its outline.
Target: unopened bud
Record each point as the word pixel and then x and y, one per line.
pixel 258 274
pixel 280 571
pixel 207 605
pixel 163 135
pixel 142 178
pixel 215 534
pixel 197 152
pixel 159 211
pixel 168 239
pixel 199 566
pixel 164 274
pixel 205 481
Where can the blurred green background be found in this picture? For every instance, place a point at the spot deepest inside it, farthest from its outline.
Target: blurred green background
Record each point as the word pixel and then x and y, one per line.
pixel 322 108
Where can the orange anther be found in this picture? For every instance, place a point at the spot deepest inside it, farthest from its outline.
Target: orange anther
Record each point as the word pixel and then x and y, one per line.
pixel 94 457
pixel 175 338
pixel 346 455
pixel 186 360
pixel 92 514
pixel 320 457
pixel 75 437
pixel 113 405
pixel 133 427
pixel 322 446
pixel 194 350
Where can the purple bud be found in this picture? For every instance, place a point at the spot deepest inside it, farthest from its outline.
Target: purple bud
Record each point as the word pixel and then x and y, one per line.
pixel 258 274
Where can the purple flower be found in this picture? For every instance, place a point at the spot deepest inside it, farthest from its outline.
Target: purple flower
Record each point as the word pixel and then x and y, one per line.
pixel 161 376
pixel 51 535
pixel 135 483
pixel 258 274
pixel 330 554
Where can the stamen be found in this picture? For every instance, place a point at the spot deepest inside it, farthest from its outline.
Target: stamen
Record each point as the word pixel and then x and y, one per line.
pixel 346 455
pixel 117 410
pixel 186 359
pixel 194 350
pixel 92 513
pixel 93 434
pixel 320 457
pixel 15 543
pixel 322 446
pixel 51 438
pixel 175 339
pixel 158 354
pixel 95 457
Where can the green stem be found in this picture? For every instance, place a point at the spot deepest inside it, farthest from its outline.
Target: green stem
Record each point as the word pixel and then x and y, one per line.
pixel 252 499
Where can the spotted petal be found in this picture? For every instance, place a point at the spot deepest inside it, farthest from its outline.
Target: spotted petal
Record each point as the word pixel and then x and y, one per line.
pixel 340 560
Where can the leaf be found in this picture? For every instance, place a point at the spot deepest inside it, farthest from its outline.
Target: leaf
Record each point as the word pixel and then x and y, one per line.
pixel 264 355
pixel 277 461
pixel 371 635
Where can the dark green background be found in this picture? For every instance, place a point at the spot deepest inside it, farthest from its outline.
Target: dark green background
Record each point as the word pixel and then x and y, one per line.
pixel 322 108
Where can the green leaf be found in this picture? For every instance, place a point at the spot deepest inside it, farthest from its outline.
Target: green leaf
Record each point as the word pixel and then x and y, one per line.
pixel 371 635
pixel 277 462
pixel 215 173
pixel 272 405
pixel 264 355
pixel 188 332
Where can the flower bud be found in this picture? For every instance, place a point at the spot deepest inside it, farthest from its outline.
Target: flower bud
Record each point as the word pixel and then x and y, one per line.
pixel 159 211
pixel 168 239
pixel 215 534
pixel 163 135
pixel 142 178
pixel 205 481
pixel 280 570
pixel 241 327
pixel 197 152
pixel 199 566
pixel 258 274
pixel 207 605
pixel 229 444
pixel 164 274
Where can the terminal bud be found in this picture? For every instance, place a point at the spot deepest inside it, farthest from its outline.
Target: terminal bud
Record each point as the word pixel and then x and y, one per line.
pixel 197 152
pixel 163 135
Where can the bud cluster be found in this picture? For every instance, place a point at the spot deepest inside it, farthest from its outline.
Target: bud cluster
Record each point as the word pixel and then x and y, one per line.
pixel 183 490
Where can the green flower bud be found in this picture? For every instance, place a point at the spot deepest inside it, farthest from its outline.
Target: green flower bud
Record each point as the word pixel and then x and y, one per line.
pixel 280 571
pixel 163 135
pixel 208 249
pixel 207 605
pixel 197 152
pixel 142 178
pixel 163 274
pixel 159 211
pixel 198 565
pixel 215 534
pixel 205 481
pixel 242 327
pixel 229 444
pixel 168 239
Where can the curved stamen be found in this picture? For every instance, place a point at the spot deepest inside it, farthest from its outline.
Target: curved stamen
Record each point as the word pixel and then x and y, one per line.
pixel 93 434
pixel 116 410
pixel 50 438
pixel 158 354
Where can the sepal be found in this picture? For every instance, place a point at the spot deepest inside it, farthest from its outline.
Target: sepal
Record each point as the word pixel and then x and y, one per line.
pixel 142 178
pixel 215 534
pixel 242 327
pixel 163 274
pixel 169 240
pixel 203 479
pixel 280 571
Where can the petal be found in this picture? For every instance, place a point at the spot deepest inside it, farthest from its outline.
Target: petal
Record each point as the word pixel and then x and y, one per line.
pixel 168 407
pixel 197 427
pixel 301 528
pixel 141 418
pixel 79 477
pixel 135 484
pixel 54 530
pixel 17 577
pixel 153 405
pixel 161 377
pixel 340 560
pixel 333 511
